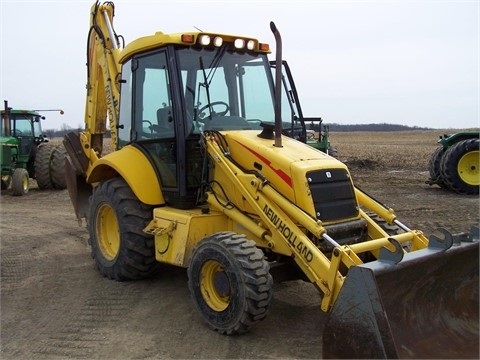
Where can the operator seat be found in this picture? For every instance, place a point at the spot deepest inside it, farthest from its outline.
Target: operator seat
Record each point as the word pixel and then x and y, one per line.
pixel 165 126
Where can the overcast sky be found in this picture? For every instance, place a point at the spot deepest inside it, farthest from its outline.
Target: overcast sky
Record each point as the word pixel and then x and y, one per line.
pixel 414 63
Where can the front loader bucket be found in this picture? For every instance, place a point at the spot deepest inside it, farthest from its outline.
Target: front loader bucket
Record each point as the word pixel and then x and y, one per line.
pixel 426 306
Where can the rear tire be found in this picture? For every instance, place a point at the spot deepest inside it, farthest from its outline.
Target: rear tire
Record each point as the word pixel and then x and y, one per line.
pixel 58 168
pixel 121 250
pixel 20 182
pixel 460 167
pixel 434 167
pixel 230 283
pixel 43 165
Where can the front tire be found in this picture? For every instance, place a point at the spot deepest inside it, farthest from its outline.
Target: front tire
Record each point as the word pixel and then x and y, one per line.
pixel 230 283
pixel 460 167
pixel 121 250
pixel 20 182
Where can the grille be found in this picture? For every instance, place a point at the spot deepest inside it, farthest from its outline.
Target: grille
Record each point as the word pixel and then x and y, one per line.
pixel 333 194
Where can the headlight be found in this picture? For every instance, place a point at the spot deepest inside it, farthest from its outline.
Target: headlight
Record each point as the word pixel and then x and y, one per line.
pixel 217 41
pixel 204 40
pixel 239 43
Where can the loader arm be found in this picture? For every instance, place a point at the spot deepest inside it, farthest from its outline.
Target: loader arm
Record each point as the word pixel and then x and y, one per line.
pixel 285 227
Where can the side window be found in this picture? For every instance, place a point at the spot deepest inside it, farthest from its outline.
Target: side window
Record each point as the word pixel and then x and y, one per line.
pixel 257 92
pixel 153 108
pixel 125 118
pixel 23 127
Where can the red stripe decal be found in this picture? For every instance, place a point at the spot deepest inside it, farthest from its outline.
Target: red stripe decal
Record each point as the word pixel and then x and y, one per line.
pixel 282 174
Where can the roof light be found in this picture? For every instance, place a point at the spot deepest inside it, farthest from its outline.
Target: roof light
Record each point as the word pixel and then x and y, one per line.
pixel 239 43
pixel 217 41
pixel 188 38
pixel 264 47
pixel 251 45
pixel 204 40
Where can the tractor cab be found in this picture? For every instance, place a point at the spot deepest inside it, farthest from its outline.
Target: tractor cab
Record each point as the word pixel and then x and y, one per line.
pixel 172 94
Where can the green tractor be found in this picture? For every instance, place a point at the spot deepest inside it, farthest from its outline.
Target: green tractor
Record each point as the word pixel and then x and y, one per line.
pixel 455 163
pixel 25 153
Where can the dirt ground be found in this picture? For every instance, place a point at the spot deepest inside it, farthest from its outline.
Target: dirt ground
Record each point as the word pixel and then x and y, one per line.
pixel 54 304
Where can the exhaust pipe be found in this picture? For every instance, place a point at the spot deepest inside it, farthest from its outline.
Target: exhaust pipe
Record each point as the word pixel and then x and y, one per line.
pixel 278 85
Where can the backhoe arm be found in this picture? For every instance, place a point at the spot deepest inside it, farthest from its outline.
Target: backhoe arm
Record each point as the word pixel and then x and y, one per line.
pixel 103 72
pixel 103 94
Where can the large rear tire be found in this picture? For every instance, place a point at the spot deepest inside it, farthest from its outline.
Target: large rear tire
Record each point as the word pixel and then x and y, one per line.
pixel 43 166
pixel 20 182
pixel 230 283
pixel 434 167
pixel 460 167
pixel 121 250
pixel 58 168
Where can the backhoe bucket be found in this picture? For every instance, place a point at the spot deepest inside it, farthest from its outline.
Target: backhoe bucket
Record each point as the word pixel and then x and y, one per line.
pixel 426 306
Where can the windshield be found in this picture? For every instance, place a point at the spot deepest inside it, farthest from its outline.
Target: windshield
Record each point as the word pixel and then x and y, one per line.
pixel 226 90
pixel 20 125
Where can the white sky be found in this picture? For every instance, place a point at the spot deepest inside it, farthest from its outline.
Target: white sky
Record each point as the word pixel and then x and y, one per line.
pixel 414 63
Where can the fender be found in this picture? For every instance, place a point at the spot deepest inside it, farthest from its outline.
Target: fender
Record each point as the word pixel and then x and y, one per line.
pixel 133 166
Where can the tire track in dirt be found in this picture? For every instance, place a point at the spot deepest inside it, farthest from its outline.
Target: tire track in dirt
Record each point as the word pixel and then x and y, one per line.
pixel 90 323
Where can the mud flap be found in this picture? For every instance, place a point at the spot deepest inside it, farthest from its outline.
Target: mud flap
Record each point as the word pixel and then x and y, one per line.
pixel 426 306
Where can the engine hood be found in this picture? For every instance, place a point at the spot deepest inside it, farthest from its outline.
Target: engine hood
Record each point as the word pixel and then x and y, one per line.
pixel 285 167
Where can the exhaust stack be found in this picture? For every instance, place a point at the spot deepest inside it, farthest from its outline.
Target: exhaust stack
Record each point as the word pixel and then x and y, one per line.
pixel 278 84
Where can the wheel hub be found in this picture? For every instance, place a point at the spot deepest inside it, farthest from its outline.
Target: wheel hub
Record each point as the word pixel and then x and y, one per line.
pixel 468 168
pixel 215 285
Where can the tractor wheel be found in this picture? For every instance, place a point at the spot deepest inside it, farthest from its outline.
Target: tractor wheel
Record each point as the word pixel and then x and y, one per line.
pixel 121 250
pixel 229 282
pixel 43 165
pixel 460 167
pixel 434 167
pixel 58 168
pixel 20 182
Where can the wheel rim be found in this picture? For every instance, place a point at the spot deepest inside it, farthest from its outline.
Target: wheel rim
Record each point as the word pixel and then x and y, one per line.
pixel 468 168
pixel 25 183
pixel 215 285
pixel 108 235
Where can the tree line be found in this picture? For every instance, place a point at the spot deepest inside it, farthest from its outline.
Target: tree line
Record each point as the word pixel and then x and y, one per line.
pixel 56 133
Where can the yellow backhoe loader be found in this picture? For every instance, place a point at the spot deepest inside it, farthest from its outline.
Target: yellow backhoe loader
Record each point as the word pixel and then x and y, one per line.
pixel 203 177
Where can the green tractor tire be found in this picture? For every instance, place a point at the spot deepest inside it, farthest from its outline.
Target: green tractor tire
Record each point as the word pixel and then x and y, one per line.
pixel 20 182
pixel 43 166
pixel 58 168
pixel 460 167
pixel 434 167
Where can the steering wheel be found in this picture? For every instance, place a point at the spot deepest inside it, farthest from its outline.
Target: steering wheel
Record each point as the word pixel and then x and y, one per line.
pixel 216 103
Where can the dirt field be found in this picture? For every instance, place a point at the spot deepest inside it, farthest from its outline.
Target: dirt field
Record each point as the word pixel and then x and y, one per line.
pixel 54 305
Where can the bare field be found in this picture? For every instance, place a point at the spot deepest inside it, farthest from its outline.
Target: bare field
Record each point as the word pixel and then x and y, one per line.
pixel 55 305
pixel 409 150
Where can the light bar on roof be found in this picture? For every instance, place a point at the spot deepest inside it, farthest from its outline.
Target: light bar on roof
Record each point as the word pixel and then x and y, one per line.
pixel 217 41
pixel 204 39
pixel 239 43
